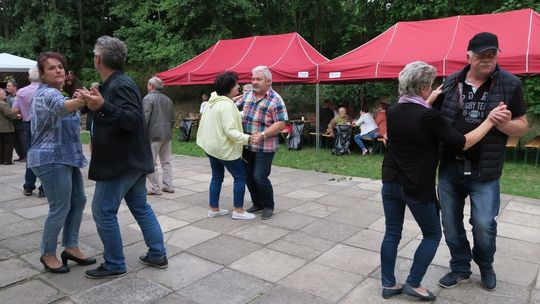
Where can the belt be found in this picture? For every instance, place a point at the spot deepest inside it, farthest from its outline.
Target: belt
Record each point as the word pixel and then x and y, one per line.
pixel 466 164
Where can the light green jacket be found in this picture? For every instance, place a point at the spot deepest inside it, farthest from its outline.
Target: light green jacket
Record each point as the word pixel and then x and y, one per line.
pixel 220 132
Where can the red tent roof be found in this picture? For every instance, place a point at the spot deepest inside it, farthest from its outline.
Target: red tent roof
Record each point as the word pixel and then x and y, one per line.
pixel 290 58
pixel 443 44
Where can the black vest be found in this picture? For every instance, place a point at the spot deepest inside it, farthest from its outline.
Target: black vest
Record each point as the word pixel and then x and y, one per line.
pixel 493 145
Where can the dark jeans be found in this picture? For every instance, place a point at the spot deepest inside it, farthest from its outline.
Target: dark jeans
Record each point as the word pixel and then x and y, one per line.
pixel 454 187
pixel 7 141
pixel 258 168
pixel 22 131
pixel 426 215
pixel 238 171
pixel 29 176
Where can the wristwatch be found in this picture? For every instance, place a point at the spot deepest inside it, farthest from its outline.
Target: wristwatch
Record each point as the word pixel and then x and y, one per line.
pixel 263 134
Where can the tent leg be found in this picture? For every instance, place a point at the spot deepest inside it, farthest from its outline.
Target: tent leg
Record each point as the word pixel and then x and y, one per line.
pixel 317 122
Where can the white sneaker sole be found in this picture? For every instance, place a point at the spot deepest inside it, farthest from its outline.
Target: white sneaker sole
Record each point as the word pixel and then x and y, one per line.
pixel 218 213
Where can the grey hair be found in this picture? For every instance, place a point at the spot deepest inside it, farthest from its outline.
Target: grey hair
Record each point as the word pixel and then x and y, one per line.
pixel 247 87
pixel 264 69
pixel 113 52
pixel 156 82
pixel 33 73
pixel 416 76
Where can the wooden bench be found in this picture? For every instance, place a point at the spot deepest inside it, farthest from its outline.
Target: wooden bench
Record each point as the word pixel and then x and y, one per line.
pixel 533 144
pixel 513 143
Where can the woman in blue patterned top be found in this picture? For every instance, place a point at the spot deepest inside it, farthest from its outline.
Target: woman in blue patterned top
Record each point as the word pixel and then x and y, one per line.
pixel 56 156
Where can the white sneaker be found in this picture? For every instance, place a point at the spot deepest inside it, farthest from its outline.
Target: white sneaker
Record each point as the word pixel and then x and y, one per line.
pixel 242 216
pixel 217 213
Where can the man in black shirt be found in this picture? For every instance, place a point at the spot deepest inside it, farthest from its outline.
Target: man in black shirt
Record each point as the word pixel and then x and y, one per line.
pixel 468 97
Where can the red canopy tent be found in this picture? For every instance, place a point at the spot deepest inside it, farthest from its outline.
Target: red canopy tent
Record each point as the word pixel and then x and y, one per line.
pixel 443 44
pixel 290 58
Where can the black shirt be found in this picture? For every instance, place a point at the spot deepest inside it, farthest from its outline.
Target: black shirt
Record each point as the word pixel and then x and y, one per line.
pixel 413 134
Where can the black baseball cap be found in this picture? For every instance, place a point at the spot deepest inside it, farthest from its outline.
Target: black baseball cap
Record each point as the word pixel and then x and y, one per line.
pixel 482 42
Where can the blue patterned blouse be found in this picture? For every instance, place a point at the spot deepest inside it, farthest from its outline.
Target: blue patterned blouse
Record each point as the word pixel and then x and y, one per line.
pixel 55 131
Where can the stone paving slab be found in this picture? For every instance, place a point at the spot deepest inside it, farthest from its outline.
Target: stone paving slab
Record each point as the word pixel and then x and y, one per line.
pixel 321 246
pixel 34 291
pixel 127 290
pixel 184 269
pixel 322 281
pixel 225 286
pixel 278 264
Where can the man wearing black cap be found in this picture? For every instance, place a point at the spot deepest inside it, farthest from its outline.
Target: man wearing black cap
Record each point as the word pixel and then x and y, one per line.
pixel 466 100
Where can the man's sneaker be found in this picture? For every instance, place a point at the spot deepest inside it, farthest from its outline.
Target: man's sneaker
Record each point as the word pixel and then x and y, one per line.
pixel 217 213
pixel 254 209
pixel 102 273
pixel 451 279
pixel 41 193
pixel 27 192
pixel 158 263
pixel 489 279
pixel 267 214
pixel 242 216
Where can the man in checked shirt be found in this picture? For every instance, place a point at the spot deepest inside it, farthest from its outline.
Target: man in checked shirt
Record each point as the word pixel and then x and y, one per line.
pixel 264 112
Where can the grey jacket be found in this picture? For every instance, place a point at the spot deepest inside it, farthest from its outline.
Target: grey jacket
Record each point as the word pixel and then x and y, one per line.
pixel 159 116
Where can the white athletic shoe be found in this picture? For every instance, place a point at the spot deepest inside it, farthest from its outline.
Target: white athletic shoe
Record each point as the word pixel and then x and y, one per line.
pixel 242 216
pixel 217 213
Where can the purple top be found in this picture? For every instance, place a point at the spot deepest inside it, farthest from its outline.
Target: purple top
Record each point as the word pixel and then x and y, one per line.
pixel 23 101
pixel 414 99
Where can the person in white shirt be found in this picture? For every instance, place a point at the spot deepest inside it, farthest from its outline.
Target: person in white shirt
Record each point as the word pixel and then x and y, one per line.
pixel 368 129
pixel 204 98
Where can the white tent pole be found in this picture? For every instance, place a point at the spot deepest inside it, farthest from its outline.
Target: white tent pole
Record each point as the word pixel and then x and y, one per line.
pixel 317 122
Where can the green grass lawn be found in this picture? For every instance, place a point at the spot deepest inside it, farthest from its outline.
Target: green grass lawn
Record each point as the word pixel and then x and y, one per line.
pixel 518 178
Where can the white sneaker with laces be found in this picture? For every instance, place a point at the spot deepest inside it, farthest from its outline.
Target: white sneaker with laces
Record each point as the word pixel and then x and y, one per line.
pixel 217 213
pixel 242 216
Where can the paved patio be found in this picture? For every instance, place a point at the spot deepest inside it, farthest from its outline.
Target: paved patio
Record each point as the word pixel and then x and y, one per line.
pixel 321 246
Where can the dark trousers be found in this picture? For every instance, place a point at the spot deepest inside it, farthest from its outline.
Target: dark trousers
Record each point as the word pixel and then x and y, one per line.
pixel 258 169
pixel 7 141
pixel 29 176
pixel 427 217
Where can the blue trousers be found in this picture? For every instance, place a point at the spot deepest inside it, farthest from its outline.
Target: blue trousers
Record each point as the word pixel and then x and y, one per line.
pixel 107 199
pixel 453 188
pixel 426 215
pixel 237 169
pixel 65 193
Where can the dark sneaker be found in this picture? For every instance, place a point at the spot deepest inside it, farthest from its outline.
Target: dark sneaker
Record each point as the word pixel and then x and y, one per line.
pixel 41 193
pixel 254 209
pixel 451 279
pixel 489 279
pixel 267 214
pixel 158 263
pixel 102 273
pixel 27 192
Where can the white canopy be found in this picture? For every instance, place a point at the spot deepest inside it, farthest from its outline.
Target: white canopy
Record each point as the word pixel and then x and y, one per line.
pixel 12 63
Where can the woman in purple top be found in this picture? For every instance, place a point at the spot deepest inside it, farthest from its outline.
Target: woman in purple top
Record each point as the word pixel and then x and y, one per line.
pixel 55 156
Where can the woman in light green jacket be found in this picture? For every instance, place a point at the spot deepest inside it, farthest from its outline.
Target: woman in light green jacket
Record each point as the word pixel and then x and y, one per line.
pixel 221 136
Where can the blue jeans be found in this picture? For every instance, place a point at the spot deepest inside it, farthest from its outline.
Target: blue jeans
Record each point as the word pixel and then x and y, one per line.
pixel 358 138
pixel 453 188
pixel 426 215
pixel 238 170
pixel 65 193
pixel 107 198
pixel 258 168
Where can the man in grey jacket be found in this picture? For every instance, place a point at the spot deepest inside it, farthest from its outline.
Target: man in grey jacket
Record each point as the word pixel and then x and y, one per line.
pixel 159 117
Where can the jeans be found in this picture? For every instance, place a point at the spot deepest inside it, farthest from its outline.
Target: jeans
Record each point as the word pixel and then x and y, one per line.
pixel 238 171
pixel 65 193
pixel 426 215
pixel 23 130
pixel 29 176
pixel 163 150
pixel 107 198
pixel 258 169
pixel 453 188
pixel 358 138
